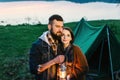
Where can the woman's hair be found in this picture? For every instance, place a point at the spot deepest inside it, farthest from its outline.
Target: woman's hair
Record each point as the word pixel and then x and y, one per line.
pixel 71 32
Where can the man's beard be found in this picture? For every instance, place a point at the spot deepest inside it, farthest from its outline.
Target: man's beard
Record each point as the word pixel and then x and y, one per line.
pixel 55 36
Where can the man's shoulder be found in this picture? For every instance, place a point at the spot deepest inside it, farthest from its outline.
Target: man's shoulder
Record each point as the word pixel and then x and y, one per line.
pixel 39 42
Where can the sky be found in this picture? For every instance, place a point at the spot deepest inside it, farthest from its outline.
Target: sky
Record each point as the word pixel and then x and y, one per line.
pixel 33 12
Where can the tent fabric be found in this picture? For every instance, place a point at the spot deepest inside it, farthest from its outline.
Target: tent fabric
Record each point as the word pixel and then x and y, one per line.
pixel 85 35
pixel 100 46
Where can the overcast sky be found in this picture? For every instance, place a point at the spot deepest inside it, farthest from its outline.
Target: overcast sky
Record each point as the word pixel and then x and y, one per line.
pixel 34 12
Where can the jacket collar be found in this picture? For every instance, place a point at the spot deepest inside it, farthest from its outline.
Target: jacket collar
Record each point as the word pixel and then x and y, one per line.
pixel 44 37
pixel 47 38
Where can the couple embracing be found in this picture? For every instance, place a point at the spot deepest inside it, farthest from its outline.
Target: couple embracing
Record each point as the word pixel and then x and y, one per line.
pixel 54 56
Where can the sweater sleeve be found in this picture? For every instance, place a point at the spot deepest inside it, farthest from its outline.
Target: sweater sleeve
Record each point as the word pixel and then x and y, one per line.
pixel 80 65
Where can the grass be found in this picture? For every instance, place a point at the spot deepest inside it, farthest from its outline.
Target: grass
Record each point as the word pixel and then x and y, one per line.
pixel 15 42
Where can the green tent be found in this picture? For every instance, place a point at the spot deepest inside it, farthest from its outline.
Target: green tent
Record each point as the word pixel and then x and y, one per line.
pixel 100 46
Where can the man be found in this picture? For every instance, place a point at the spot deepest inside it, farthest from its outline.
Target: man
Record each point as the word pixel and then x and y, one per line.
pixel 44 56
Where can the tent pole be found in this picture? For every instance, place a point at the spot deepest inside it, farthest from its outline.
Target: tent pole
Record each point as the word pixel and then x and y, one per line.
pixel 111 66
pixel 100 58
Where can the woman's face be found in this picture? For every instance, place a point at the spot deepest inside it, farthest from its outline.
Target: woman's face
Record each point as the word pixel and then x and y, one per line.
pixel 66 37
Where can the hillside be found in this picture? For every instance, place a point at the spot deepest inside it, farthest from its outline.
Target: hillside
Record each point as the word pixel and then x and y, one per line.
pixel 16 41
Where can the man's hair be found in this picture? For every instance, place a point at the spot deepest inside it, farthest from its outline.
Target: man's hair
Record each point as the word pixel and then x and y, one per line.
pixel 55 16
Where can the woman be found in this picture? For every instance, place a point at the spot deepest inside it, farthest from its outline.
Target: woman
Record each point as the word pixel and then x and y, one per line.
pixel 76 63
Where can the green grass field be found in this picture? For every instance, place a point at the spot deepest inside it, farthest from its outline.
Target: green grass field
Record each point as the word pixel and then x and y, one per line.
pixel 15 42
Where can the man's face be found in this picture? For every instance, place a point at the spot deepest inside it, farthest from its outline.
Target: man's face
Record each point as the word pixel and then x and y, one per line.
pixel 57 27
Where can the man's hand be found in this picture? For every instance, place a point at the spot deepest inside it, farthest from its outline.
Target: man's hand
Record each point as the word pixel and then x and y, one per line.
pixel 59 59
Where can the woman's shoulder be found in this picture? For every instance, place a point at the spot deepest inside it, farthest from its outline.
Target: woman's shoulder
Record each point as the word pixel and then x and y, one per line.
pixel 75 47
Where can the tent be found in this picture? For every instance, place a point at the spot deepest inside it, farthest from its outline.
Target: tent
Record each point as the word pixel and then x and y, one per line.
pixel 100 46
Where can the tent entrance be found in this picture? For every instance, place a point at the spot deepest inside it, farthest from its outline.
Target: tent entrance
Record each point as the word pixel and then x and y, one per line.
pixel 99 62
